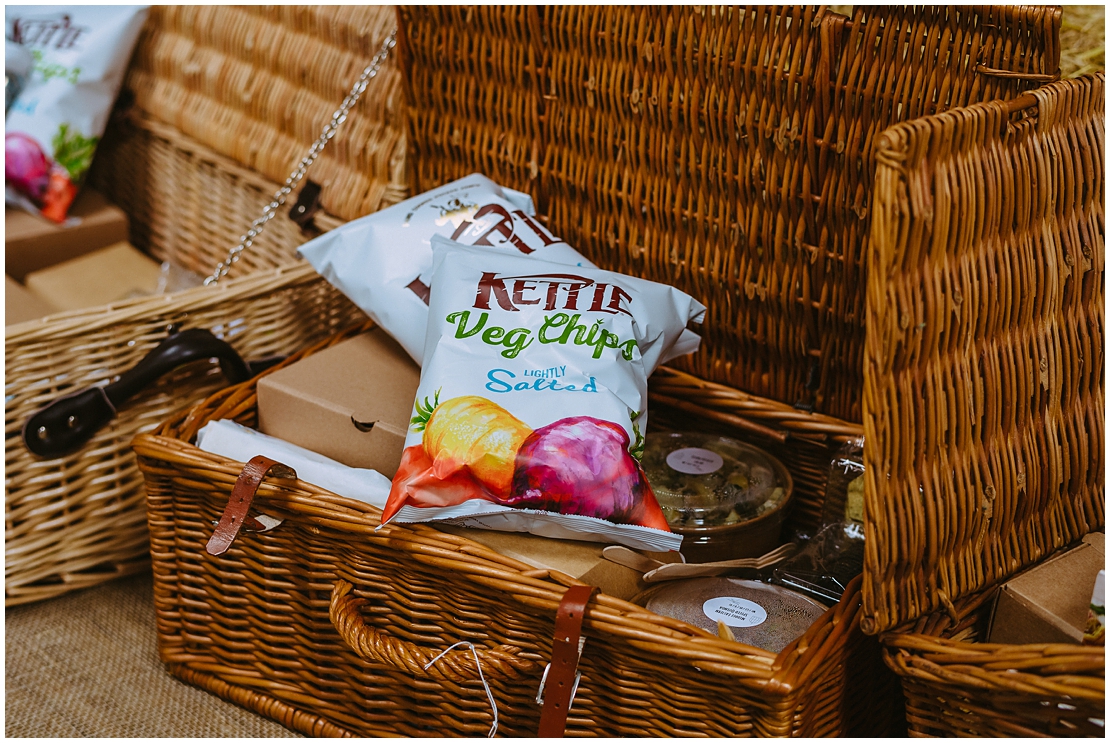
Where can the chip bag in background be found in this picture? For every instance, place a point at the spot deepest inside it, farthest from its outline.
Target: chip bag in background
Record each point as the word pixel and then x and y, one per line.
pixel 54 124
pixel 533 399
pixel 381 262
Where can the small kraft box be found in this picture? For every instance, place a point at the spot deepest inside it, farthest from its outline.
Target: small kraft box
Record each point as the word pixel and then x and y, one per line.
pixel 112 274
pixel 351 402
pixel 21 305
pixel 1049 603
pixel 32 243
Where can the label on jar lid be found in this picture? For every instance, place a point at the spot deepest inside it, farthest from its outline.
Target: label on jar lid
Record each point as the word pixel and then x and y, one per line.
pixel 694 461
pixel 734 611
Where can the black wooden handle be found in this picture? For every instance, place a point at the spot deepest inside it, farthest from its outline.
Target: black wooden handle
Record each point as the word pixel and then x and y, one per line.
pixel 67 423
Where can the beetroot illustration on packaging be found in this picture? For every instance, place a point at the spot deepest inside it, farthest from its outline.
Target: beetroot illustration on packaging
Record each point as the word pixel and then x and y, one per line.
pixel 54 124
pixel 533 399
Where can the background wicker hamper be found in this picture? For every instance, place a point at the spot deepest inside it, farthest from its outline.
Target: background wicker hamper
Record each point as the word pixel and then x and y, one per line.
pixel 78 520
pixel 548 100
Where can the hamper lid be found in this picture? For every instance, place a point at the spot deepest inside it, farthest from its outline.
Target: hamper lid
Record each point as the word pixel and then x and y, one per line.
pixel 983 384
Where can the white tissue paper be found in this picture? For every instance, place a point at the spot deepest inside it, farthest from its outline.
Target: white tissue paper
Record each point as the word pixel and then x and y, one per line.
pixel 229 439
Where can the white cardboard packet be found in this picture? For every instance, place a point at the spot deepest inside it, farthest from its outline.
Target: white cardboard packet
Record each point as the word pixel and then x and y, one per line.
pixel 229 439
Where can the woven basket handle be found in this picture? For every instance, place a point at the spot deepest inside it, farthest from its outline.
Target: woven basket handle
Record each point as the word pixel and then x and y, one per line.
pixel 374 645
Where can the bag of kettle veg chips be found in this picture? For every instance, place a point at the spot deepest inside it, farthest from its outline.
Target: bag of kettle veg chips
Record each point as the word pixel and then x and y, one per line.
pixel 382 261
pixel 54 124
pixel 532 401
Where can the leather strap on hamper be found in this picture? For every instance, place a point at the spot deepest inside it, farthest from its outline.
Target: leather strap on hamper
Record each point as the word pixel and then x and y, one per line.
pixel 235 515
pixel 559 682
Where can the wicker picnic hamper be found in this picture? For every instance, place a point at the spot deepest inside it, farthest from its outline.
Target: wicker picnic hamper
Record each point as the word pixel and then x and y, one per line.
pixel 78 519
pixel 326 623
pixel 744 179
pixel 1007 441
pixel 271 624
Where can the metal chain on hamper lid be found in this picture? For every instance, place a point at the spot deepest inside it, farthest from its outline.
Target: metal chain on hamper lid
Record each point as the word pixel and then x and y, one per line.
pixel 295 177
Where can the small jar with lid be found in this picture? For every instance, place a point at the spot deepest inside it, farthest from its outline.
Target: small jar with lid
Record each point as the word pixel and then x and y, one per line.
pixel 726 498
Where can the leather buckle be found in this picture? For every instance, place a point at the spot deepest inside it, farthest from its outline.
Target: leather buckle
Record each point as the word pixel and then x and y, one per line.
pixel 543 683
pixel 562 672
pixel 308 203
pixel 236 515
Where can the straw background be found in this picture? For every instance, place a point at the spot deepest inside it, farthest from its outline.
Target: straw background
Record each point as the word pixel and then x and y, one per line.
pixel 1082 40
pixel 86 665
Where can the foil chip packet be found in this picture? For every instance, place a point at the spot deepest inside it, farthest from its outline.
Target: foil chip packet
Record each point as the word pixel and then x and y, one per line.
pixel 533 398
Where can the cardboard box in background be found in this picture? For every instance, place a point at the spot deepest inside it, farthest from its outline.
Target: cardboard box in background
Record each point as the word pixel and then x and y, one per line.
pixel 110 274
pixel 32 242
pixel 351 402
pixel 1048 603
pixel 21 305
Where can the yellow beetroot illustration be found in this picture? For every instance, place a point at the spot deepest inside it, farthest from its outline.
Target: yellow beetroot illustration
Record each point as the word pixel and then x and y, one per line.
pixel 474 433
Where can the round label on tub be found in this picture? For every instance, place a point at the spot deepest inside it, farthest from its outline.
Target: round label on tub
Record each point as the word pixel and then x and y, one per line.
pixel 735 612
pixel 694 461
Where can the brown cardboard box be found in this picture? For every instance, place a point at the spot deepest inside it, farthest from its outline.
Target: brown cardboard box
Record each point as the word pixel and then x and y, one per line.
pixel 351 402
pixel 21 305
pixel 110 274
pixel 32 242
pixel 1048 603
pixel 581 560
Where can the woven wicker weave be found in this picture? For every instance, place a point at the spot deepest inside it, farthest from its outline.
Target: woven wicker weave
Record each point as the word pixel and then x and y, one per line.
pixel 256 83
pixel 726 151
pixel 956 687
pixel 271 624
pixel 985 408
pixel 79 520
pixel 985 346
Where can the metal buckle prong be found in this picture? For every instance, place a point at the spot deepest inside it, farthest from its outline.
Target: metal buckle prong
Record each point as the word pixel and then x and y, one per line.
pixel 543 683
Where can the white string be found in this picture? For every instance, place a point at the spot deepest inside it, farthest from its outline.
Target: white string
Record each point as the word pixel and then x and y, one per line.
pixel 478 662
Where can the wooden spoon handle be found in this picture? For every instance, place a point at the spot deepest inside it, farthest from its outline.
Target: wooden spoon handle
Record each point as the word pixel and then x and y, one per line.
pixel 696 570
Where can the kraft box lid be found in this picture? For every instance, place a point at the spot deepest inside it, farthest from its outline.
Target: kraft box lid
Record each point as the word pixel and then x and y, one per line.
pixel 32 243
pixel 351 402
